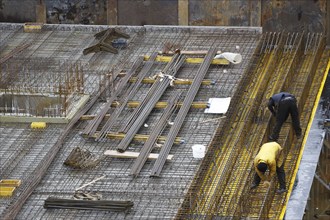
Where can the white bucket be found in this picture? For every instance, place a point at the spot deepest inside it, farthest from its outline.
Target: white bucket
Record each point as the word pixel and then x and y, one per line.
pixel 198 151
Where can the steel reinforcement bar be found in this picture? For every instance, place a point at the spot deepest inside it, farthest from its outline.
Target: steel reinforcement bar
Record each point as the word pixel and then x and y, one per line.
pixel 221 190
pixel 178 121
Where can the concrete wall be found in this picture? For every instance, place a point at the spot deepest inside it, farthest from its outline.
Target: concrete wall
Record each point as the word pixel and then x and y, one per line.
pixel 272 15
pixel 17 11
pixel 147 12
pixel 76 12
pixel 294 15
pixel 224 13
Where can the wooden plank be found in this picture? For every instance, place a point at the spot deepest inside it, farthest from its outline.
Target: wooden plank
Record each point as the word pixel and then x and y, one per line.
pixel 132 155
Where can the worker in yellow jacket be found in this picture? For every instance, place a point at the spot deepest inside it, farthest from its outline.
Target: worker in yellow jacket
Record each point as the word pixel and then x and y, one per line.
pixel 269 157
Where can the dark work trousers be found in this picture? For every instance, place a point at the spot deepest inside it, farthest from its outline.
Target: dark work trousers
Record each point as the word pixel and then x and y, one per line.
pixel 280 176
pixel 285 107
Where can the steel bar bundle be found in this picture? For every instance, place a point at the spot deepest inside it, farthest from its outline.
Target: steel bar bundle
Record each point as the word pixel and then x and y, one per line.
pixel 149 144
pixel 91 128
pixel 150 93
pixel 155 92
pixel 111 205
pixel 193 89
pixel 128 95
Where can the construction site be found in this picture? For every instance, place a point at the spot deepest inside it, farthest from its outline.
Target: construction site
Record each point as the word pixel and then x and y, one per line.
pixel 109 119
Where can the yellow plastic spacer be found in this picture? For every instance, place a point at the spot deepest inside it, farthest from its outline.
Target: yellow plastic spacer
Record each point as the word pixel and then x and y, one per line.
pixel 10 183
pixel 6 191
pixel 38 125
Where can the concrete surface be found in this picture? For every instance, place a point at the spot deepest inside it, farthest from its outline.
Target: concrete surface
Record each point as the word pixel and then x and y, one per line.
pixel 299 197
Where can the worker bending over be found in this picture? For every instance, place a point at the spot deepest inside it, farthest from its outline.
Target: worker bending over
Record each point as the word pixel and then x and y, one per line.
pixel 269 157
pixel 281 105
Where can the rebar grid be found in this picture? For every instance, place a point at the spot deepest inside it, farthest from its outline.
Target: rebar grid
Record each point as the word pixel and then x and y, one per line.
pixel 153 197
pixel 227 193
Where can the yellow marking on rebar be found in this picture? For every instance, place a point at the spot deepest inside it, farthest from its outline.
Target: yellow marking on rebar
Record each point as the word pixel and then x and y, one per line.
pixel 189 60
pixel 309 125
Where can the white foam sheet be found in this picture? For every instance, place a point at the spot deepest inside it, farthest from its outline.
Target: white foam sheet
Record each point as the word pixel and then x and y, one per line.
pixel 218 105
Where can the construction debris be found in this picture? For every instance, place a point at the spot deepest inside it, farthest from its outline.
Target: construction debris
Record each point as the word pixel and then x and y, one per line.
pixel 81 159
pixel 93 181
pixel 109 40
pixel 87 196
pixel 234 58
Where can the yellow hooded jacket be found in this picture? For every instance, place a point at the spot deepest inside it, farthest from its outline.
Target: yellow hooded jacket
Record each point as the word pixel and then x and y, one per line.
pixel 270 153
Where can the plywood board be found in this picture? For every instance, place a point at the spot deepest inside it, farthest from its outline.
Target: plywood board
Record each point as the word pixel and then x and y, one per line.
pixel 128 154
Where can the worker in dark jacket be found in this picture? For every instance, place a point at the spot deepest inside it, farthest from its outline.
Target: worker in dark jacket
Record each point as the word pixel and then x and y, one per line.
pixel 281 105
pixel 269 157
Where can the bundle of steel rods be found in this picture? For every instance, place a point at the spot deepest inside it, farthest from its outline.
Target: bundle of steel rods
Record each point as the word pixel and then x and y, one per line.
pixel 193 89
pixel 93 125
pixel 167 70
pixel 128 95
pixel 112 205
pixel 154 94
pixel 159 127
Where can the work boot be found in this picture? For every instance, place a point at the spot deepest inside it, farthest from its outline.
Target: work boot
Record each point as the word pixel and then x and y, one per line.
pixel 281 190
pixel 253 186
